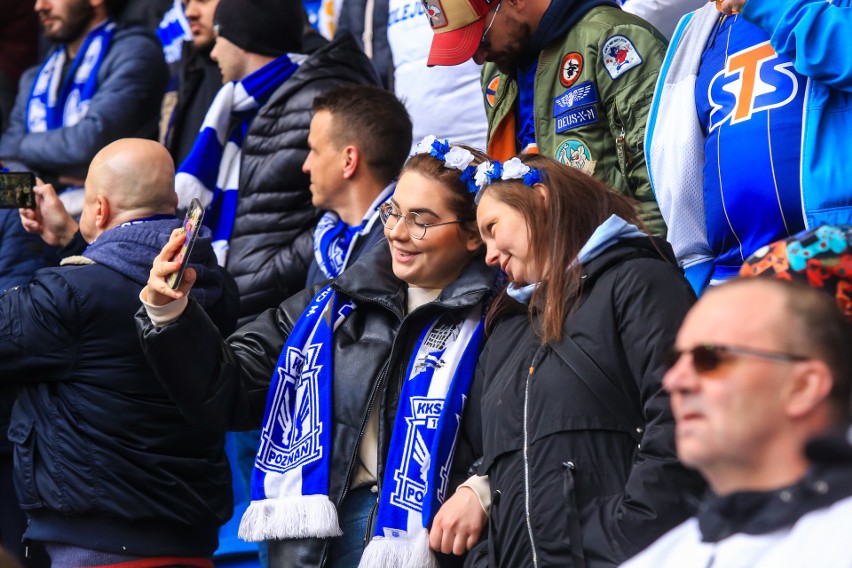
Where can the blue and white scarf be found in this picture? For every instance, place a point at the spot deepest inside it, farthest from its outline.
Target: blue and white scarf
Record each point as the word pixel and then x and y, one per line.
pixel 55 103
pixel 289 486
pixel 334 240
pixel 211 171
pixel 423 442
pixel 173 31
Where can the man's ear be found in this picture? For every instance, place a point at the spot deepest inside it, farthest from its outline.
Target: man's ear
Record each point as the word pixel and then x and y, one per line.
pixel 351 161
pixel 102 214
pixel 808 388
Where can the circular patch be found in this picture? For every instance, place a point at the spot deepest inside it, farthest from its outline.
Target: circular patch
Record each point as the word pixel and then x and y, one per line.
pixel 576 153
pixel 491 90
pixel 572 66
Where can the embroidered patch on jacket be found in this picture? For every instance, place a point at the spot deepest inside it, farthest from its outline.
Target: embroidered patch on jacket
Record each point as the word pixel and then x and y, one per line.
pixel 491 90
pixel 619 56
pixel 576 153
pixel 572 66
pixel 581 95
pixel 576 118
pixel 435 11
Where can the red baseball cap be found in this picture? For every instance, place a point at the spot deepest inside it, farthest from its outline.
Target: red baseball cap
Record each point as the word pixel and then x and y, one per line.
pixel 458 27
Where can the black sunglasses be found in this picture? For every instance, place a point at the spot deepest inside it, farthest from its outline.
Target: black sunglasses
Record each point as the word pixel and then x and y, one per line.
pixel 706 358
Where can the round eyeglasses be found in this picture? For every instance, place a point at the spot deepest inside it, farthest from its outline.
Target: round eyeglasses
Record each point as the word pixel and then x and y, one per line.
pixel 413 221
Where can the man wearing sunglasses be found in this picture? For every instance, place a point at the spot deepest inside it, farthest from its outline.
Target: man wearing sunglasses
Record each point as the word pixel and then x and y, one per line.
pixel 760 368
pixel 570 79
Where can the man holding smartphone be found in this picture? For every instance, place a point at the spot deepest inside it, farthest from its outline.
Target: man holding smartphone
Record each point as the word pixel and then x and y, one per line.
pixel 91 417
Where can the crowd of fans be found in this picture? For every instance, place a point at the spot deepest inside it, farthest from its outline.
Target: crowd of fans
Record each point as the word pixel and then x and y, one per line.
pixel 474 286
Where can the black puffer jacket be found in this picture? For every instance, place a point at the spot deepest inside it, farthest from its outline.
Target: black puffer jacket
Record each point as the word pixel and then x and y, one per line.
pixel 547 436
pixel 103 458
pixel 271 245
pixel 371 352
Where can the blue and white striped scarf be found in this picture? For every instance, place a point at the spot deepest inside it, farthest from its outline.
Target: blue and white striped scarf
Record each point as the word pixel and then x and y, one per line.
pixel 334 240
pixel 289 486
pixel 55 103
pixel 173 31
pixel 423 442
pixel 211 171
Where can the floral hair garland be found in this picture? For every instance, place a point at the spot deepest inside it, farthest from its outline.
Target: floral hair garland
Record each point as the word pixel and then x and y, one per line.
pixel 477 177
pixel 454 157
pixel 514 168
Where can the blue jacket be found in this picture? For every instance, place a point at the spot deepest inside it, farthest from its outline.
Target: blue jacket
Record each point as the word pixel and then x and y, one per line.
pixel 21 253
pixel 826 61
pixel 131 83
pixel 103 457
pixel 674 143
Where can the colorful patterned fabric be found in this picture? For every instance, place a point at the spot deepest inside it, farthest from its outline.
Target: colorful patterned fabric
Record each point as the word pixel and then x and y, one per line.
pixel 822 257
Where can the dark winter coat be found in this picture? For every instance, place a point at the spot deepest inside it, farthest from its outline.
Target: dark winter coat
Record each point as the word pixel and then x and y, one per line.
pixel 131 83
pixel 271 245
pixel 199 80
pixel 594 498
pixel 103 458
pixel 371 352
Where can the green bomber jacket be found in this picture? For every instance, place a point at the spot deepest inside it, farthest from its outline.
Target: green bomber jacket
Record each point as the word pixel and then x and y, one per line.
pixel 593 91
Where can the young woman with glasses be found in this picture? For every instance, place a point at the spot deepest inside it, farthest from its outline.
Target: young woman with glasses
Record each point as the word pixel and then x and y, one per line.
pixel 577 433
pixel 358 386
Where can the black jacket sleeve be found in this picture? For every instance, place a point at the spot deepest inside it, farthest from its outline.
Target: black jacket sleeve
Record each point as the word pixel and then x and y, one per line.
pixel 221 384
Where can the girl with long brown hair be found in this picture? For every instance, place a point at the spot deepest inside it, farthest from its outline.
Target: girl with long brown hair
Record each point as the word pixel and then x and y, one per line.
pixel 577 434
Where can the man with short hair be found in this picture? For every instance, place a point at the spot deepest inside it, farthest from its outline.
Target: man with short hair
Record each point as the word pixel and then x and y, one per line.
pixel 198 80
pixel 101 83
pixel 761 367
pixel 359 140
pixel 245 166
pixel 107 468
pixel 570 79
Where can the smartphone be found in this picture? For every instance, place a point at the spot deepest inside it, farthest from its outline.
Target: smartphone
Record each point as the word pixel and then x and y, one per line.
pixel 16 190
pixel 191 226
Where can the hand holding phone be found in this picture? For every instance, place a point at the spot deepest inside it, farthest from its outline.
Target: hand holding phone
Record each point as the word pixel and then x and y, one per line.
pixel 16 190
pixel 191 225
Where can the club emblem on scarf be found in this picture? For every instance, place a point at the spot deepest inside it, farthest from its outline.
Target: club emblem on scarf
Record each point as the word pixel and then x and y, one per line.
pixel 410 479
pixel 292 439
pixel 436 342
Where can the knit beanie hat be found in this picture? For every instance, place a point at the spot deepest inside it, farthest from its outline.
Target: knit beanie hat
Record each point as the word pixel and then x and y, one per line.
pixel 267 27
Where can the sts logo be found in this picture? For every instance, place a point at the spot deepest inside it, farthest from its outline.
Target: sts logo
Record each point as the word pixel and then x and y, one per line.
pixel 754 79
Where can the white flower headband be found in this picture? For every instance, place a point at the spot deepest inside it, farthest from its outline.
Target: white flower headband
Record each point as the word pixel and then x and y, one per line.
pixel 454 157
pixel 514 168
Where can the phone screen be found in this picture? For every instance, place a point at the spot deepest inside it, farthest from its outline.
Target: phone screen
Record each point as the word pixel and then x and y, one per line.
pixel 16 190
pixel 191 225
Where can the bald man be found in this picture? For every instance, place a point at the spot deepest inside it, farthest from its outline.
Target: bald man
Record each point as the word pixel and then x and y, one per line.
pixel 106 467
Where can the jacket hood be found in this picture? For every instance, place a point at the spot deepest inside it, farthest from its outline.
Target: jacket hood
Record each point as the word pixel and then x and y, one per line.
pixel 342 54
pixel 560 16
pixel 372 278
pixel 130 250
pixel 641 247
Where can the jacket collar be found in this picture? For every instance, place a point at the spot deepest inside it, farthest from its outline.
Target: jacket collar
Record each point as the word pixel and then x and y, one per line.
pixel 762 512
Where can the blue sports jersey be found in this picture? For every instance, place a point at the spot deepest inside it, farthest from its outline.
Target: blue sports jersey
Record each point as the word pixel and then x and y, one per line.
pixel 749 101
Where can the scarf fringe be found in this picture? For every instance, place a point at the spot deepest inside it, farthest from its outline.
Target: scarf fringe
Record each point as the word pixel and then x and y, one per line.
pixel 290 517
pixel 384 552
pixel 421 554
